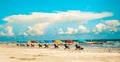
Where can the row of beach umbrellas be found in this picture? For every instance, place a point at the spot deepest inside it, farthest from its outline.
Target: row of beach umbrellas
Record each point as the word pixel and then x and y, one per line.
pixel 57 41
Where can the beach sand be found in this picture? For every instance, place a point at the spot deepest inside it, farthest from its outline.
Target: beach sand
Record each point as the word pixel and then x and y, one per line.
pixel 13 53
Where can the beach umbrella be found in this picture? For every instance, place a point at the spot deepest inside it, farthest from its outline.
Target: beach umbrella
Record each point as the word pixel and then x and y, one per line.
pixel 23 41
pixel 18 41
pixel 42 41
pixel 69 41
pixel 81 41
pixel 57 41
pixel 34 42
pixel 28 42
pixel 49 41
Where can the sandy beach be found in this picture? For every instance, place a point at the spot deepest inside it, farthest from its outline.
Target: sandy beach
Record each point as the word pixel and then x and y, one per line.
pixel 13 53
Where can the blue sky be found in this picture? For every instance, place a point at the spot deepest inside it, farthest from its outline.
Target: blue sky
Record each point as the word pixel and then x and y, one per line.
pixel 63 19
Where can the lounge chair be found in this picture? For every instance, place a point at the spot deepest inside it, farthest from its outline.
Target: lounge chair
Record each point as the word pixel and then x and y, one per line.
pixel 27 45
pixel 78 47
pixel 46 46
pixel 66 46
pixel 22 45
pixel 18 44
pixel 40 45
pixel 56 46
pixel 32 45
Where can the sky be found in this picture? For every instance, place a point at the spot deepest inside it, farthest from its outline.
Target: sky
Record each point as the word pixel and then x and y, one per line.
pixel 59 19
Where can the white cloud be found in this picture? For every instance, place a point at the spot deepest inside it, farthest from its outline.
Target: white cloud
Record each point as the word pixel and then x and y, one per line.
pixel 68 16
pixel 99 28
pixel 41 20
pixel 2 34
pixel 60 31
pixel 110 25
pixel 83 29
pixel 71 30
pixel 79 30
pixel 9 30
pixel 112 22
pixel 23 33
pixel 37 29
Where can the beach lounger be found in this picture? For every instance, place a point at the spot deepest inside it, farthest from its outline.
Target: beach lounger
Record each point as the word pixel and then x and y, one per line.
pixel 18 44
pixel 40 45
pixel 78 47
pixel 46 46
pixel 27 45
pixel 66 46
pixel 56 46
pixel 22 45
pixel 32 45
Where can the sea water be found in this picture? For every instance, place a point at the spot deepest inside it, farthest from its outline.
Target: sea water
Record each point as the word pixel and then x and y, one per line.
pixel 107 44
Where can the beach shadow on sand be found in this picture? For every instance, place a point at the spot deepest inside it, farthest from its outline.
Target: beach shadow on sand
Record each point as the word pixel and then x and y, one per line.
pixel 39 55
pixel 26 58
pixel 23 58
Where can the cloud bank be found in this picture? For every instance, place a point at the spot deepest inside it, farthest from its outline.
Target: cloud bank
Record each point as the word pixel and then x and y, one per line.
pixel 9 30
pixel 79 30
pixel 39 21
pixel 109 25
pixel 56 17
pixel 37 29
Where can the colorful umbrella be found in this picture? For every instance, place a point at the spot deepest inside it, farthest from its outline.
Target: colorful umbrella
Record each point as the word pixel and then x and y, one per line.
pixel 49 41
pixel 34 42
pixel 42 41
pixel 28 42
pixel 18 41
pixel 69 41
pixel 81 41
pixel 57 41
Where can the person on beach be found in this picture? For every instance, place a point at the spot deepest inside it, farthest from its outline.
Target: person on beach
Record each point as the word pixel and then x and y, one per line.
pixel 66 46
pixel 46 46
pixel 40 45
pixel 56 46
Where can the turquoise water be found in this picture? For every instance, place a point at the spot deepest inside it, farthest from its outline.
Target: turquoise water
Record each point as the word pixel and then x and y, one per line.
pixel 101 46
pixel 107 44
